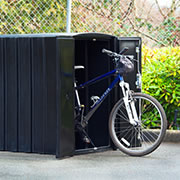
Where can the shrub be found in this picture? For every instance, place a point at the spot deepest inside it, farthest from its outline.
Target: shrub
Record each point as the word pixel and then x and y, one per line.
pixel 161 77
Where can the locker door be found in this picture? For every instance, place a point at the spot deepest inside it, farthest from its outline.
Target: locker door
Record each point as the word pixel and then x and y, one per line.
pixel 134 45
pixel 65 97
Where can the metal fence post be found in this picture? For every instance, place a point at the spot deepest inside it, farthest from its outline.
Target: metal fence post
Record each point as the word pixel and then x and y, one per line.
pixel 68 21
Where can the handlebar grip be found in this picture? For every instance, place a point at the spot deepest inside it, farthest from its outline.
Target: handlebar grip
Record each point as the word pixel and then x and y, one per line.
pixel 106 51
pixel 123 50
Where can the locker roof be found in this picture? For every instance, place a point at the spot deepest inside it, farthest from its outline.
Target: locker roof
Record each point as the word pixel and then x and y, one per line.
pixel 59 35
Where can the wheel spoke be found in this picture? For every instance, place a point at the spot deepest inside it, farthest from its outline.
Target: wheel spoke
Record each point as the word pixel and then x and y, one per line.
pixel 124 130
pixel 128 130
pixel 123 117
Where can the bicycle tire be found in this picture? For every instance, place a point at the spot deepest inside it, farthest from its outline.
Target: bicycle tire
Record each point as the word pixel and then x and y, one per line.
pixel 133 141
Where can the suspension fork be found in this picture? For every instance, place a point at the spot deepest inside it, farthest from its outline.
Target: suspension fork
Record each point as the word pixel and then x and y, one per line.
pixel 129 103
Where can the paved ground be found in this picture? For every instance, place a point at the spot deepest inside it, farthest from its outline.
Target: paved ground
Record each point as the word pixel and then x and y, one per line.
pixel 164 164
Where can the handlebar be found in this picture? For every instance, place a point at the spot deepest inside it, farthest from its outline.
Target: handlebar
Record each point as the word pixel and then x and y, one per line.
pixel 116 55
pixel 124 50
pixel 106 51
pixel 123 63
pixel 110 53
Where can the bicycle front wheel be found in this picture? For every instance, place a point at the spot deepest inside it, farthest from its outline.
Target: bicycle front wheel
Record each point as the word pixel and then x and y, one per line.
pixel 146 136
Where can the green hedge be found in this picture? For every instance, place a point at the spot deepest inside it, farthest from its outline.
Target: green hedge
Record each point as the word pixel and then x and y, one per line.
pixel 161 77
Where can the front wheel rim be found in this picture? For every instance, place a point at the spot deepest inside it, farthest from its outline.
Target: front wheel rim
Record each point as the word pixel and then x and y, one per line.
pixel 134 140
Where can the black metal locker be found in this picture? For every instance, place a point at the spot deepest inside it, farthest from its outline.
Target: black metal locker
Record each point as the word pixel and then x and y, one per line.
pixel 43 94
pixel 24 94
pixel 11 100
pixel 51 100
pixel 37 93
pixel 2 123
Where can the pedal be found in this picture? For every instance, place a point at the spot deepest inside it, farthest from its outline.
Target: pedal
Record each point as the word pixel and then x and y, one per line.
pixel 86 140
pixel 84 135
pixel 89 141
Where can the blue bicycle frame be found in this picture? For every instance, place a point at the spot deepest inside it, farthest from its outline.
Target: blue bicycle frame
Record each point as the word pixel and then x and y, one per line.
pixel 105 94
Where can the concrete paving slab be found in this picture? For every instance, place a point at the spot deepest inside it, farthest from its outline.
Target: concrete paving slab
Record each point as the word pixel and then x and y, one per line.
pixel 164 164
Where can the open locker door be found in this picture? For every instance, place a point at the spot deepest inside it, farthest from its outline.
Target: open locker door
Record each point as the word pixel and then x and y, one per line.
pixel 65 94
pixel 133 78
pixel 134 45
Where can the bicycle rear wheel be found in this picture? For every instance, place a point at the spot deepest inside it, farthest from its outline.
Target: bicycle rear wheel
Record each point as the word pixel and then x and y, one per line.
pixel 141 139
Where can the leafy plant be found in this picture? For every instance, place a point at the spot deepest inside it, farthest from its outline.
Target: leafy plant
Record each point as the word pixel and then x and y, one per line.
pixel 161 77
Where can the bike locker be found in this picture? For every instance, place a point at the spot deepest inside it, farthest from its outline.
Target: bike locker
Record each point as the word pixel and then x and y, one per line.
pixel 30 88
pixel 37 94
pixel 88 52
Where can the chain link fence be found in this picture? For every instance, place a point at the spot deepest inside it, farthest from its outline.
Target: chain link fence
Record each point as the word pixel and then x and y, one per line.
pixel 158 25
pixel 32 16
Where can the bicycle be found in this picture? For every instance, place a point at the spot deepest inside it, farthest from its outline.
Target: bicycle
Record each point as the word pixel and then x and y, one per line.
pixel 137 122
